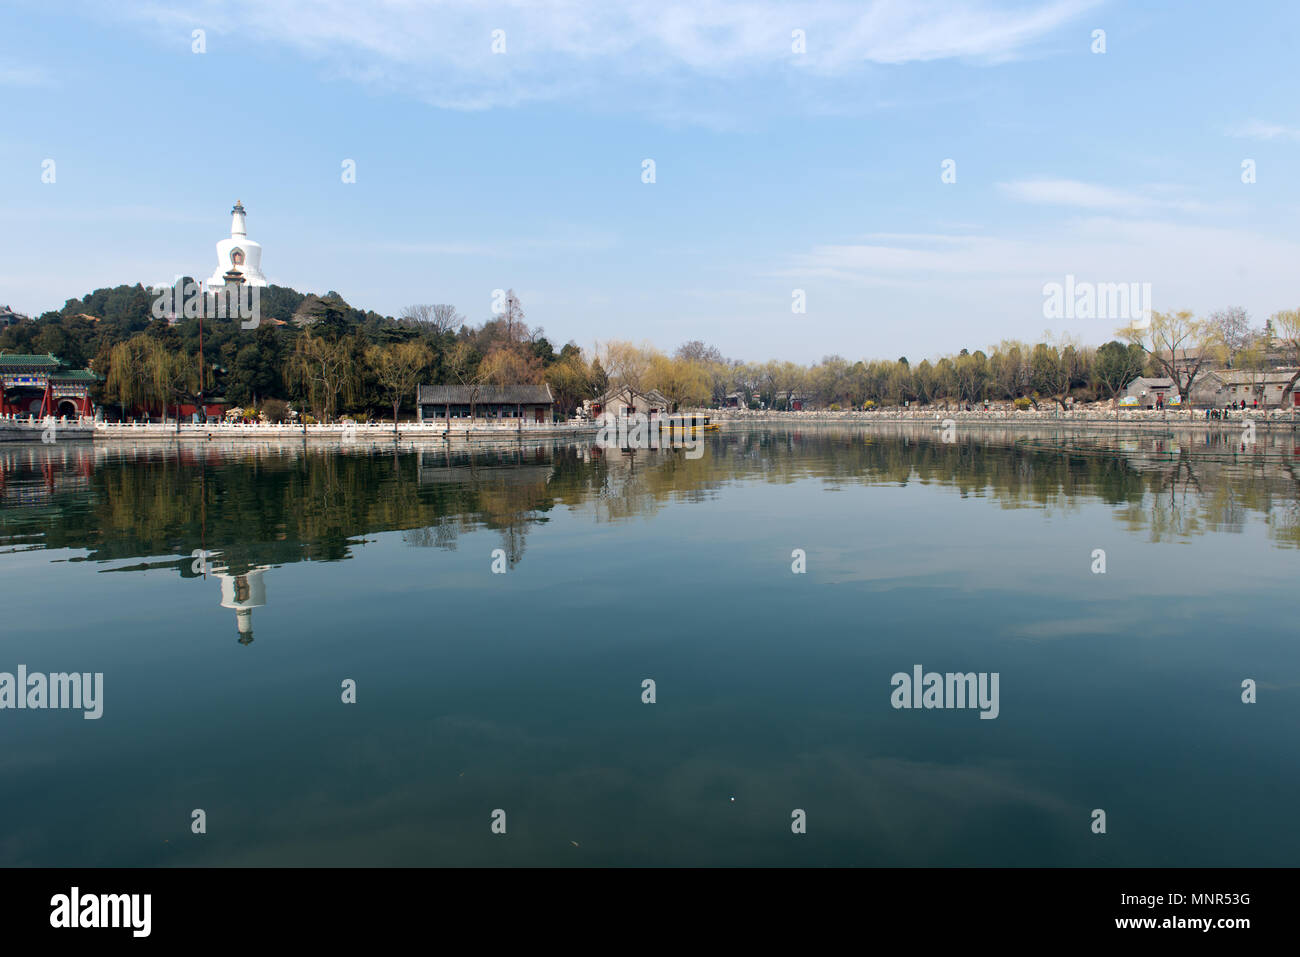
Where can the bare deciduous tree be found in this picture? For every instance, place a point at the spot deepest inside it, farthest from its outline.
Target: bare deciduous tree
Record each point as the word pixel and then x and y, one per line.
pixel 436 318
pixel 1286 329
pixel 513 318
pixel 1233 328
pixel 1178 345
pixel 697 351
pixel 626 364
pixel 466 365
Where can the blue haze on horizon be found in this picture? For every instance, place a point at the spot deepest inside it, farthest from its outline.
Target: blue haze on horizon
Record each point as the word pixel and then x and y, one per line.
pixel 775 171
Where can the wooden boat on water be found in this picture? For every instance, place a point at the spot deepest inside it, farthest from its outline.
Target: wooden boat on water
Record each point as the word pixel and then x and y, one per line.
pixel 689 422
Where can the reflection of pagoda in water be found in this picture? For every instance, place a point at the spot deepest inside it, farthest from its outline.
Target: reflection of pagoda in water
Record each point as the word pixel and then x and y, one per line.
pixel 243 593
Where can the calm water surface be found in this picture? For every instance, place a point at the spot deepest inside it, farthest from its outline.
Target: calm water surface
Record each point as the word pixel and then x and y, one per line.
pixel 522 691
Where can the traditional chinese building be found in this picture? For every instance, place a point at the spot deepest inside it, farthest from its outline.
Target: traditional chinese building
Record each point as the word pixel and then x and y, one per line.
pixel 44 385
pixel 10 318
pixel 532 403
pixel 1259 389
pixel 625 401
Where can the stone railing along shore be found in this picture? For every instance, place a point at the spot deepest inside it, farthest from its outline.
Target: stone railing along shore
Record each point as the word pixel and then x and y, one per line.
pixel 336 431
pixel 1090 417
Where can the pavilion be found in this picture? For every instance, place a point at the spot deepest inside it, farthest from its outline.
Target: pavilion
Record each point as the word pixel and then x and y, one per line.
pixel 44 385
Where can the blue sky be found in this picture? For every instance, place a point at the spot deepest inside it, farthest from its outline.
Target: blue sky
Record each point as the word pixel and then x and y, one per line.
pixel 775 170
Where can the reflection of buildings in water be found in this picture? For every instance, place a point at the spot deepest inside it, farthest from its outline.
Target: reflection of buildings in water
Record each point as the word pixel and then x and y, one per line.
pixel 243 593
pixel 508 486
pixel 31 475
pixel 502 474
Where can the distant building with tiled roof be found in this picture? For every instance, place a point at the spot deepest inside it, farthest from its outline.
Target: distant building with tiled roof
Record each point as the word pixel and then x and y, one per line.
pixel 10 318
pixel 1149 391
pixel 1265 389
pixel 529 402
pixel 624 400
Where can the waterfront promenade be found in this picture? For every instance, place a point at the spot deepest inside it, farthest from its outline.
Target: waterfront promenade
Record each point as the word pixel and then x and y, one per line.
pixel 1090 419
pixel 336 432
pixel 29 430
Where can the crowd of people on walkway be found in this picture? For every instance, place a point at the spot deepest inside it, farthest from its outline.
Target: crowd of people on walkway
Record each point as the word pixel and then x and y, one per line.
pixel 1228 409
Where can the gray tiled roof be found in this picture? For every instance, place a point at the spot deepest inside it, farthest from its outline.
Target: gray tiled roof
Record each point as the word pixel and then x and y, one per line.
pixel 486 395
pixel 1263 377
pixel 653 395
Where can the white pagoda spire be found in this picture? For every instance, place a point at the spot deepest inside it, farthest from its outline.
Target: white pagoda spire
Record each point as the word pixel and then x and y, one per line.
pixel 238 225
pixel 238 257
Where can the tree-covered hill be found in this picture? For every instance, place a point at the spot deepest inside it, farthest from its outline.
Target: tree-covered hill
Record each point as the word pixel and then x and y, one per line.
pixel 316 351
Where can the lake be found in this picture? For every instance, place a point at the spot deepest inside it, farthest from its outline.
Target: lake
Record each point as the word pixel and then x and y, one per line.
pixel 770 589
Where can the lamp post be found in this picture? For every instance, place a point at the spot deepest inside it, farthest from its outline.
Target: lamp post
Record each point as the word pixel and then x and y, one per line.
pixel 202 410
pixel 234 278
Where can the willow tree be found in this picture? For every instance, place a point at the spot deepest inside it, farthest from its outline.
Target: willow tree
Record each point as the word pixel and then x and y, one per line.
pixel 924 382
pixel 507 364
pixel 129 381
pixel 174 375
pixel 787 378
pixel 683 382
pixel 570 382
pixel 143 371
pixel 971 375
pixel 323 370
pixel 398 369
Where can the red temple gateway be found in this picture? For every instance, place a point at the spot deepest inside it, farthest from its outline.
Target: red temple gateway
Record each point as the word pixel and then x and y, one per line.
pixel 44 385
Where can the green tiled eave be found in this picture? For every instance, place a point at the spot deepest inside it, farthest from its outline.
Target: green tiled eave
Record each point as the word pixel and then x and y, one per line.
pixel 14 359
pixel 18 363
pixel 77 375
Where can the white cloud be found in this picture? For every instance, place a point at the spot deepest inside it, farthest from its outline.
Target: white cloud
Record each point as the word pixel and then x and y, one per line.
pixel 1172 256
pixel 1259 130
pixel 137 213
pixel 512 247
pixel 441 51
pixel 14 74
pixel 931 295
pixel 1073 193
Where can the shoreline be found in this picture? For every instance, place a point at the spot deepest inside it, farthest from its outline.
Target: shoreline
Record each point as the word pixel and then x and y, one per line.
pixel 727 420
pixel 1138 420
pixel 360 434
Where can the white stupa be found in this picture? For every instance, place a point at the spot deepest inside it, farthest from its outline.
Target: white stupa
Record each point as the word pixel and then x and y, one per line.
pixel 238 257
pixel 243 593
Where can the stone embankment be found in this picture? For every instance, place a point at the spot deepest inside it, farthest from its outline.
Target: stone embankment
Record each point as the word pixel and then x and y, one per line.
pixel 48 430
pixel 344 432
pixel 1090 417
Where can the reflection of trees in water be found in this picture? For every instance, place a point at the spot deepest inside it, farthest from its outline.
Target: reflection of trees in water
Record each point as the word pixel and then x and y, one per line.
pixel 258 508
pixel 637 484
pixel 510 489
pixel 1173 485
pixel 1284 523
pixel 444 534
